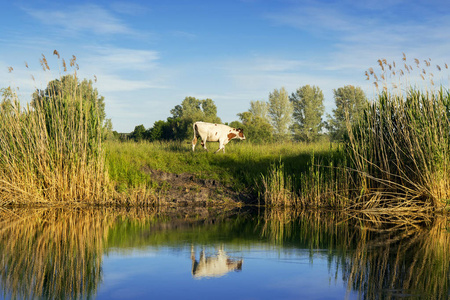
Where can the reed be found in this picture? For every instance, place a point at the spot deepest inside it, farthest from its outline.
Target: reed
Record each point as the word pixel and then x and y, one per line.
pixel 278 187
pixel 399 149
pixel 52 148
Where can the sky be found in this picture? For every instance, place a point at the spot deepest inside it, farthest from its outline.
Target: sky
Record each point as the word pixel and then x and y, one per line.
pixel 147 56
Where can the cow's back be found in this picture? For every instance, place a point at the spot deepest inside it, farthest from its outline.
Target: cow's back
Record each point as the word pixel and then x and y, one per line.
pixel 212 132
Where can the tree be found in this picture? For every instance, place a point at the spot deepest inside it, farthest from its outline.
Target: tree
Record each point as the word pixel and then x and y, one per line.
pixel 260 109
pixel 256 129
pixel 184 115
pixel 350 103
pixel 209 111
pixel 8 100
pixel 138 133
pixel 308 111
pixel 280 113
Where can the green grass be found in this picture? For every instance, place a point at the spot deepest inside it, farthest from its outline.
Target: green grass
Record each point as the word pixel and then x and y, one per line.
pixel 244 166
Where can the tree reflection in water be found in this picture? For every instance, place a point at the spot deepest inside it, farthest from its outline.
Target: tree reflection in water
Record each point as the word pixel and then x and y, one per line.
pixel 57 253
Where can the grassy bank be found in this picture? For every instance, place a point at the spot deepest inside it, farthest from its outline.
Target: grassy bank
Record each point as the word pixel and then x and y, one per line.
pixel 245 167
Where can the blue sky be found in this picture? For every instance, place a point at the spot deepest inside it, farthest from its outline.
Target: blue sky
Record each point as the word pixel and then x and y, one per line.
pixel 148 56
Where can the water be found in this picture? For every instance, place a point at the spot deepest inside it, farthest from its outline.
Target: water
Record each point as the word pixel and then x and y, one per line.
pixel 216 254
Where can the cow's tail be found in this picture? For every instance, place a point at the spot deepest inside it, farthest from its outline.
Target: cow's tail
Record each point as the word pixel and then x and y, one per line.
pixel 194 140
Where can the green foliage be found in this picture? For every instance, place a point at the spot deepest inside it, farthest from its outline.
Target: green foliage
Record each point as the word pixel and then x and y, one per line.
pixel 308 111
pixel 280 113
pixel 260 109
pixel 65 89
pixel 179 126
pixel 350 103
pixel 194 109
pixel 138 133
pixel 257 129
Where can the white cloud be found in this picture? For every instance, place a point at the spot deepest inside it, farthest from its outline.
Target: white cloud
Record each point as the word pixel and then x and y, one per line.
pixel 89 18
pixel 113 58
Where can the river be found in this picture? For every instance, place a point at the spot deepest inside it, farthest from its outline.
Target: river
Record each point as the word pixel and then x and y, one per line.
pixel 247 253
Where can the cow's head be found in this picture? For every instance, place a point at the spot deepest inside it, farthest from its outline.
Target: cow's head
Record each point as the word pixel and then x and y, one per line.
pixel 241 133
pixel 236 134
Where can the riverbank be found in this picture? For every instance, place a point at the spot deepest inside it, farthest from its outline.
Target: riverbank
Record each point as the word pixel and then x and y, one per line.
pixel 175 175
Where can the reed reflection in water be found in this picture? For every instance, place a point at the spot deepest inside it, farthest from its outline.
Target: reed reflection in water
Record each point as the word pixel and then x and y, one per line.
pixel 380 256
pixel 59 253
pixel 51 253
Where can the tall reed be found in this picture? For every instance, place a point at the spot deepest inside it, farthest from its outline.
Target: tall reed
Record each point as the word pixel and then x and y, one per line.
pixel 400 149
pixel 51 149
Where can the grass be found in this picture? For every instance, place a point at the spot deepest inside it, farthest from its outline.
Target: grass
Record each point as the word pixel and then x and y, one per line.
pixel 245 167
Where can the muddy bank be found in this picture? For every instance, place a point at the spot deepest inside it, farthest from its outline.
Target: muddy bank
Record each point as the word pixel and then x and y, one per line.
pixel 187 190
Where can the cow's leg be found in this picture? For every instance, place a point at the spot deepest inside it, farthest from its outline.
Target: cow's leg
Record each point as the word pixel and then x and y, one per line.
pixel 192 253
pixel 194 142
pixel 204 143
pixel 221 146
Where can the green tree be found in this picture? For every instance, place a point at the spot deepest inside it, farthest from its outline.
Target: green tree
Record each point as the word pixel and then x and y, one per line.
pixel 184 115
pixel 256 129
pixel 209 111
pixel 280 113
pixel 8 100
pixel 139 133
pixel 308 111
pixel 350 103
pixel 260 109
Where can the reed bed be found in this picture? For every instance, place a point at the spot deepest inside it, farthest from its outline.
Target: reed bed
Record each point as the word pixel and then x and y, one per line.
pixel 400 148
pixel 52 147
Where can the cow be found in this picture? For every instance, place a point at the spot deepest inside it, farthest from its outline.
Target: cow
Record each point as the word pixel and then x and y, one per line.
pixel 210 132
pixel 213 266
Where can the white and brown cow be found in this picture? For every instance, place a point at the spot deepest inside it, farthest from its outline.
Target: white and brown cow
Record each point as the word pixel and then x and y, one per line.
pixel 210 132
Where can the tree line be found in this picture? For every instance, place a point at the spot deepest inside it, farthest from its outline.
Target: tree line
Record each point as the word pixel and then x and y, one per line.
pixel 283 117
pixel 298 116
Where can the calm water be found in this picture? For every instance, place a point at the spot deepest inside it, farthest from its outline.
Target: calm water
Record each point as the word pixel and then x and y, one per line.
pixel 206 254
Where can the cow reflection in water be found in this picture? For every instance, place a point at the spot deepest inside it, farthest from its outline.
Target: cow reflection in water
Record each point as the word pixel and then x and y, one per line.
pixel 214 266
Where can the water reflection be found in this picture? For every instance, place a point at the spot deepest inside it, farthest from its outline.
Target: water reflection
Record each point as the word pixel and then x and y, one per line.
pixel 51 253
pixel 214 266
pixel 59 253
